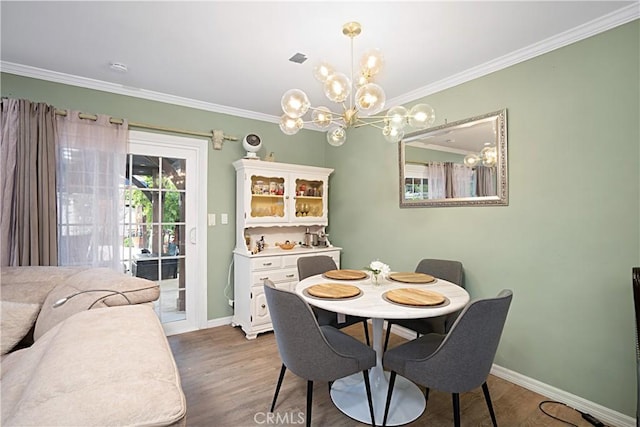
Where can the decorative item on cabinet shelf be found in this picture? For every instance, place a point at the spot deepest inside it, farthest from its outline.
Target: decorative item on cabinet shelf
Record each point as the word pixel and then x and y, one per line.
pixel 260 245
pixel 323 239
pixel 302 209
pixel 319 239
pixel 286 245
pixel 307 238
pixel 270 188
pixel 258 187
pixel 304 190
pixel 252 144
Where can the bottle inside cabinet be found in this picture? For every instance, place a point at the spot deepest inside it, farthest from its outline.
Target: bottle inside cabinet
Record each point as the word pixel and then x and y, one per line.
pixel 267 196
pixel 309 198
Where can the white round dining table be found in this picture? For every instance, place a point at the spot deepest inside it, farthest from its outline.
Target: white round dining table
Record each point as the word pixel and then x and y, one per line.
pixel 348 394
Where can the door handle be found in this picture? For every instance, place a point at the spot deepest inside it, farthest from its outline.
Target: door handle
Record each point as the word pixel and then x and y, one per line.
pixel 192 236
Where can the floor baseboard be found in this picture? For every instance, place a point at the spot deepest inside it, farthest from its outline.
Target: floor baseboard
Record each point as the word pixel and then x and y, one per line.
pixel 221 321
pixel 606 415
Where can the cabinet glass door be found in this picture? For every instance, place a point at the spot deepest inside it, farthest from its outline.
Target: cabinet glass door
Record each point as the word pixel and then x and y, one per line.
pixel 309 200
pixel 268 196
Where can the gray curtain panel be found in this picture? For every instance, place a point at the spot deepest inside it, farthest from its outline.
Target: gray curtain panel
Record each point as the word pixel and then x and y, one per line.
pixel 28 215
pixel 448 180
pixel 486 181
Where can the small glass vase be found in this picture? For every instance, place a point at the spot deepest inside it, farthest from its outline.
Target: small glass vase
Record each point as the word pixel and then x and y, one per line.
pixel 376 279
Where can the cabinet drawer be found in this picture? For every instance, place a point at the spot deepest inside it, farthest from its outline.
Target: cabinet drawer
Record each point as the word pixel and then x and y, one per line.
pixel 277 276
pixel 266 263
pixel 291 261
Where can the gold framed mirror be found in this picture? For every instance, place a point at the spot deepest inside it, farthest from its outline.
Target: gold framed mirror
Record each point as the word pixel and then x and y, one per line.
pixel 463 163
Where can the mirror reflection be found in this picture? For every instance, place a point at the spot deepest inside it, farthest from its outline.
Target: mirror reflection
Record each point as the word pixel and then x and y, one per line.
pixel 456 164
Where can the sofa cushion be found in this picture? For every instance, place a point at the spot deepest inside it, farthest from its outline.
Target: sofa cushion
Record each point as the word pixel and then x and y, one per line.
pixel 99 287
pixel 16 319
pixel 97 368
pixel 32 284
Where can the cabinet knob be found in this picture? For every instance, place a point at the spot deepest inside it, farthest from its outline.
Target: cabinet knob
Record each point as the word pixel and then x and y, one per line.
pixel 264 278
pixel 267 264
pixel 290 275
pixel 263 306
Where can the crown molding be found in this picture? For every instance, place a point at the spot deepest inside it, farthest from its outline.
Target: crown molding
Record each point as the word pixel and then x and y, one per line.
pixel 68 79
pixel 597 26
pixel 604 23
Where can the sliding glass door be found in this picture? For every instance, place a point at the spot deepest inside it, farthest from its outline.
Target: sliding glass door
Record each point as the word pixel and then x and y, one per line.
pixel 160 225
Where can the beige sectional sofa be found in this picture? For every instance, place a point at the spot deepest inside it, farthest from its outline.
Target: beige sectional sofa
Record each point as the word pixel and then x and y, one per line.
pixel 110 365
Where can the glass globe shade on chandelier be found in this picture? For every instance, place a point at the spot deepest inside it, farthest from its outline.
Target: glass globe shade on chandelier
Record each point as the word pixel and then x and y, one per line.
pixel 488 156
pixel 360 100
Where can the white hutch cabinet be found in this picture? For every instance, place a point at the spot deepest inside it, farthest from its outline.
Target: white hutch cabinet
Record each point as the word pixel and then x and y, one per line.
pixel 275 203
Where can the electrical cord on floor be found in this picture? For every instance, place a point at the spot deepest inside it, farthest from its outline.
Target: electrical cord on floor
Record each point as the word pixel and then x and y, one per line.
pixel 228 287
pixel 553 416
pixel 593 420
pixel 588 417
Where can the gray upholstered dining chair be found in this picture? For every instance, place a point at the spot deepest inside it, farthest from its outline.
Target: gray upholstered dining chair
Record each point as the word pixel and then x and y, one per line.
pixel 450 271
pixel 318 264
pixel 457 362
pixel 311 351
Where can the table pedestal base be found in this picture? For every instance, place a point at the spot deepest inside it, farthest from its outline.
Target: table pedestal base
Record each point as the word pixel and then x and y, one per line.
pixel 407 401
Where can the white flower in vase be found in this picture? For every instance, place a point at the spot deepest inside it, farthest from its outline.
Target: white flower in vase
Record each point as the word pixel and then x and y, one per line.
pixel 378 270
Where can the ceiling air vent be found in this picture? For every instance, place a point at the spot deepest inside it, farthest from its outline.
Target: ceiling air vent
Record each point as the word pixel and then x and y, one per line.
pixel 298 58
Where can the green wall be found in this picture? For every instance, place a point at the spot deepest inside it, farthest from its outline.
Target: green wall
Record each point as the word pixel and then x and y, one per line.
pixel 570 236
pixel 305 148
pixel 565 244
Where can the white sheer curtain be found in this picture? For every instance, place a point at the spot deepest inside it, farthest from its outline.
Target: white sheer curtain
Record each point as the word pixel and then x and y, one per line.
pixel 91 166
pixel 463 182
pixel 436 180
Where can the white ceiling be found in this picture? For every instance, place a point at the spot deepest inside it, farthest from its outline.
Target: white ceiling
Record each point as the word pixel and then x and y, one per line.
pixel 233 56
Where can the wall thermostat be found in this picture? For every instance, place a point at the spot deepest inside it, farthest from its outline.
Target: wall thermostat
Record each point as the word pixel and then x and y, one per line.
pixel 252 143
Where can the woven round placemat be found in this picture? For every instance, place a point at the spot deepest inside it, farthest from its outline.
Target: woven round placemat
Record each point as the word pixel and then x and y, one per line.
pixel 416 278
pixel 333 290
pixel 345 274
pixel 414 297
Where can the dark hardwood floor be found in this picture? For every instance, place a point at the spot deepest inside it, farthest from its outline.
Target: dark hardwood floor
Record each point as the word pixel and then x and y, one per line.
pixel 229 382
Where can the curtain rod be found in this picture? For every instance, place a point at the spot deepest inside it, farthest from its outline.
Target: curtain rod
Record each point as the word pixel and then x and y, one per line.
pixel 216 136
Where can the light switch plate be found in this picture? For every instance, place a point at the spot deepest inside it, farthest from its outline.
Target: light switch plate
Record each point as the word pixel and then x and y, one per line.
pixel 211 220
pixel 224 218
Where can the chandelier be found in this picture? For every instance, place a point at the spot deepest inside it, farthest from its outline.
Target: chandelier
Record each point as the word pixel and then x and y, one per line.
pixel 358 101
pixel 488 156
